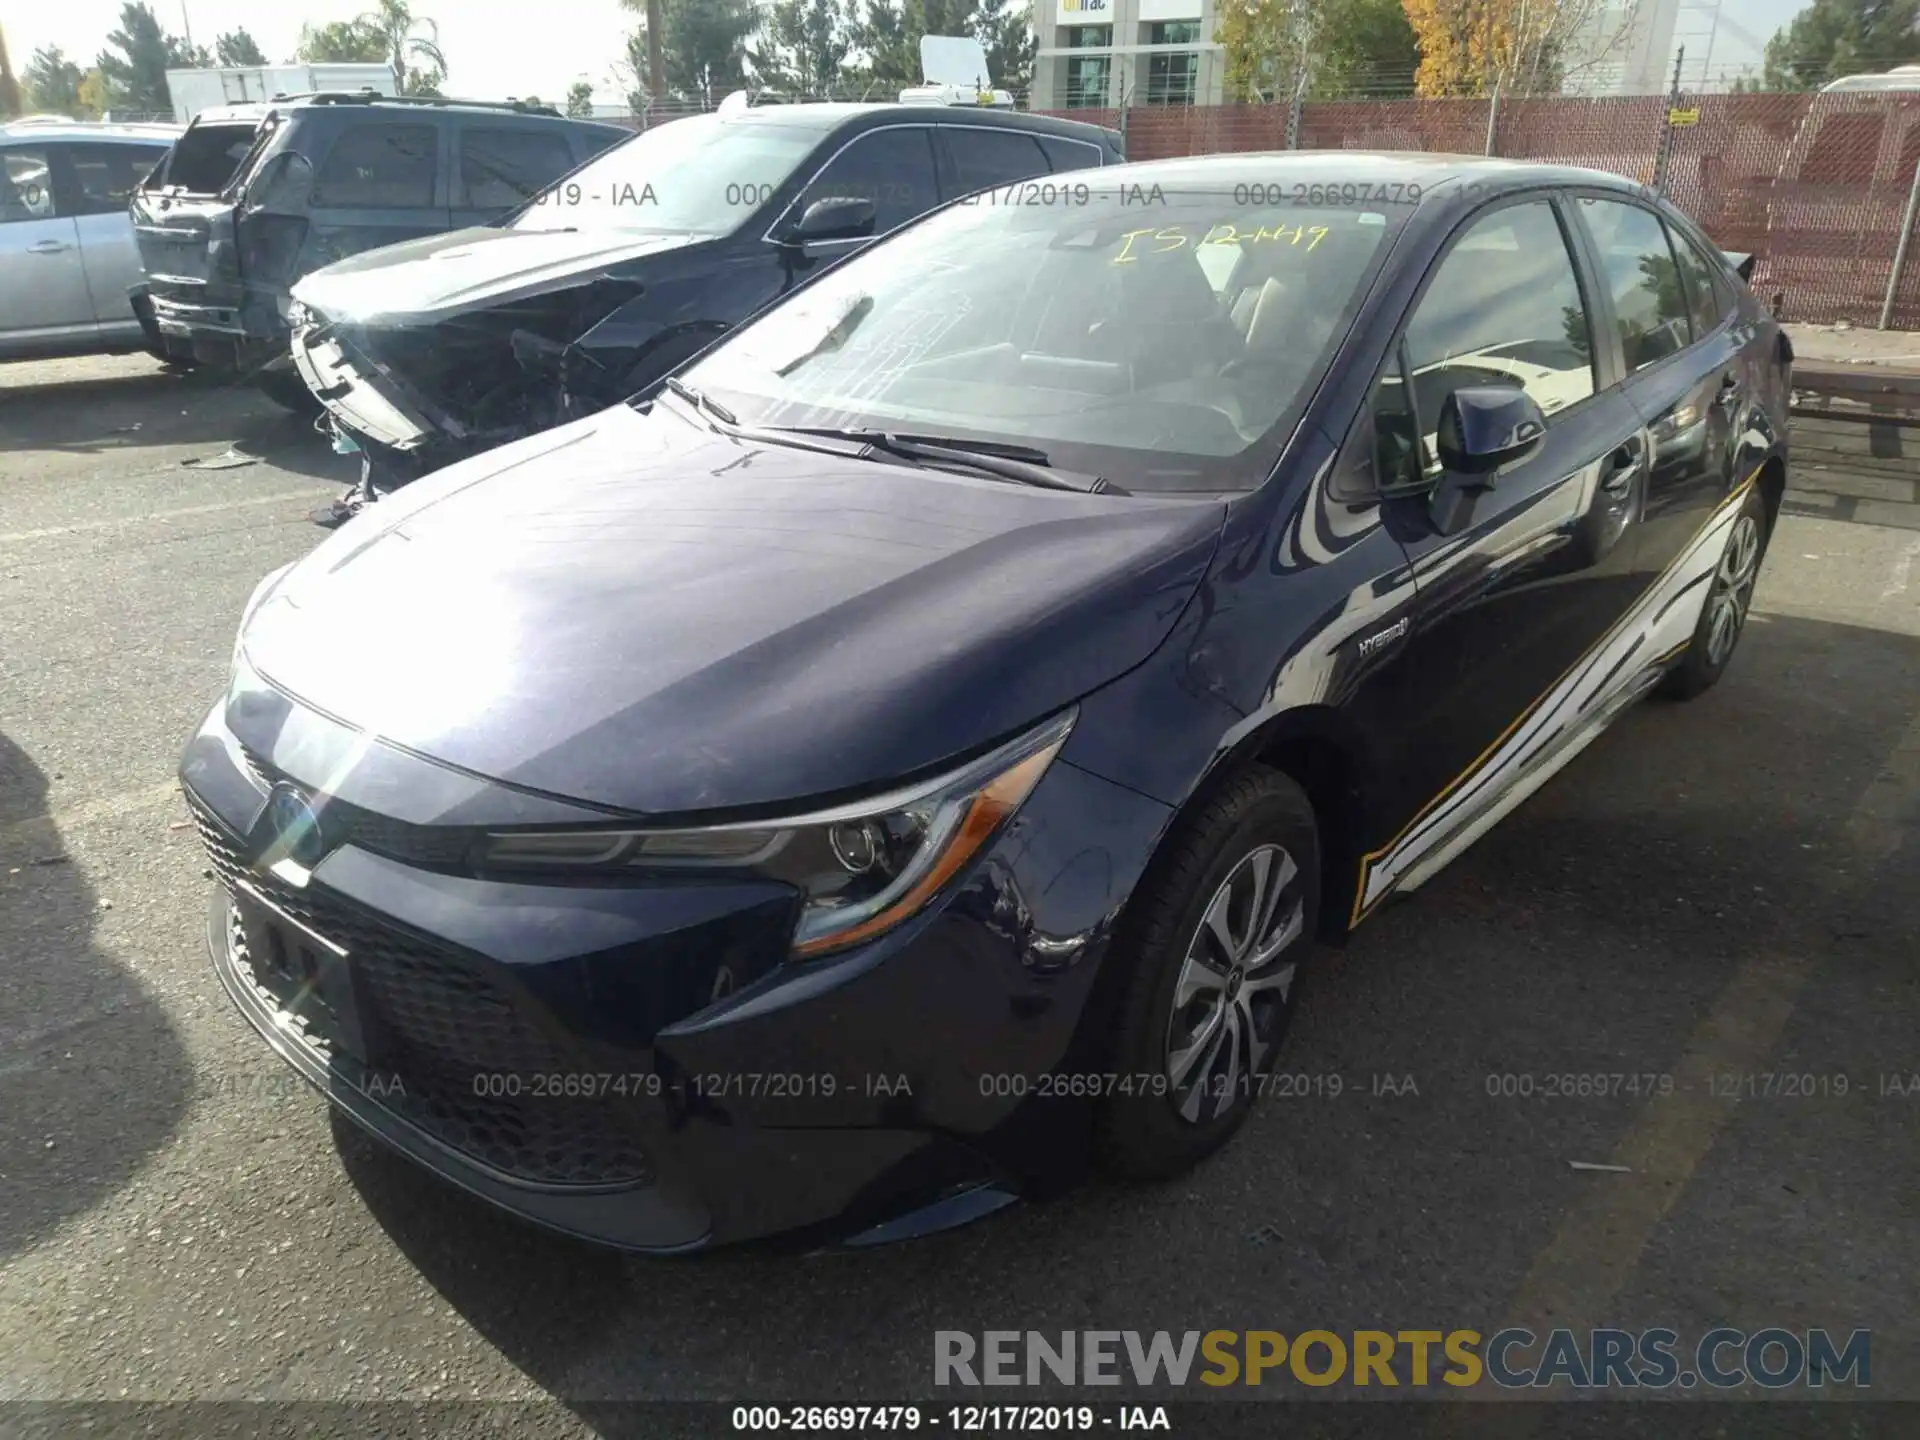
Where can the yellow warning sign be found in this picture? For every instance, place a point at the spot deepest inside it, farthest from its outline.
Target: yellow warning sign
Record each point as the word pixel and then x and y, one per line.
pixel 1677 116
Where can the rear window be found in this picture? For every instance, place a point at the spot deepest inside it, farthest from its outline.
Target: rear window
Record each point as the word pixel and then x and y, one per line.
pixel 205 158
pixel 1069 154
pixel 502 167
pixel 379 167
pixel 108 174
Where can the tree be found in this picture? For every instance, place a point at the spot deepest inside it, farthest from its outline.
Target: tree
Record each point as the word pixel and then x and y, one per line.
pixel 1467 47
pixel 341 42
pixel 52 83
pixel 395 22
pixel 1364 48
pixel 96 95
pixel 580 100
pixel 1005 31
pixel 702 44
pixel 11 99
pixel 237 47
pixel 136 77
pixel 805 43
pixel 1264 44
pixel 1831 38
pixel 888 35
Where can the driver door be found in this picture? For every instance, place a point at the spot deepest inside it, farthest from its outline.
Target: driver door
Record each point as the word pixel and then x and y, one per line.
pixel 1516 591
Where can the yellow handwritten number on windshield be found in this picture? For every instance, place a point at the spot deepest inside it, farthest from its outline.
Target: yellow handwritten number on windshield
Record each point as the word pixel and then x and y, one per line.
pixel 1166 239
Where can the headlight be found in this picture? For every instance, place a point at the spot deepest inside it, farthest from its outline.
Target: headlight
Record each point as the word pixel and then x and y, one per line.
pixel 863 868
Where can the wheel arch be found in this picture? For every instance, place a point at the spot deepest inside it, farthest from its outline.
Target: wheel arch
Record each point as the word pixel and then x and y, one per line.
pixel 1322 751
pixel 1772 485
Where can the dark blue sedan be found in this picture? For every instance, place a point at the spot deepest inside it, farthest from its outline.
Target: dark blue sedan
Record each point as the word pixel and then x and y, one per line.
pixel 914 754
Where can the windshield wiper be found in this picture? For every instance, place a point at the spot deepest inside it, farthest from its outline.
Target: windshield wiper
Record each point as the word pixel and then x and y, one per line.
pixel 701 401
pixel 992 457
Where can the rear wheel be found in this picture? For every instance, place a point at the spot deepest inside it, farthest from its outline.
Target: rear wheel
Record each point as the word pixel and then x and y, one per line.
pixel 1215 951
pixel 1723 617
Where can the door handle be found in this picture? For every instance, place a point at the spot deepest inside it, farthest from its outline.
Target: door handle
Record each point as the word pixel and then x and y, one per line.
pixel 46 247
pixel 1616 478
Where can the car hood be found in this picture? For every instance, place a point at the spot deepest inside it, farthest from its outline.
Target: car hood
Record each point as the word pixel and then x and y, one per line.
pixel 645 615
pixel 427 280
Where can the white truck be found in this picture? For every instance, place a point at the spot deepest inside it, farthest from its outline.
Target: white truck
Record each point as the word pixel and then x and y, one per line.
pixel 197 90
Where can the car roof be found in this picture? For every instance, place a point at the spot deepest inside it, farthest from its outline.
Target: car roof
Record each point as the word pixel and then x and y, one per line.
pixel 825 115
pixel 351 103
pixel 1426 169
pixel 58 127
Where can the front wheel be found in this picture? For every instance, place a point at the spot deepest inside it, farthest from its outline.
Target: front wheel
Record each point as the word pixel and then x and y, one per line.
pixel 1215 947
pixel 1723 616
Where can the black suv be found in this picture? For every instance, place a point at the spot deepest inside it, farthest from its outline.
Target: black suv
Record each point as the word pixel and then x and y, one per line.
pixel 252 197
pixel 428 352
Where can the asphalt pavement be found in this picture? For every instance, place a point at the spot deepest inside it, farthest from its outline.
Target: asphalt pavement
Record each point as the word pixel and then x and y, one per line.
pixel 1718 893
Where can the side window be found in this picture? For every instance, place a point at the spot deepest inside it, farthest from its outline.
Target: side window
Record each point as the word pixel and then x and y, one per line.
pixel 1637 265
pixel 379 167
pixel 893 168
pixel 982 158
pixel 26 184
pixel 502 167
pixel 1072 154
pixel 1504 308
pixel 107 175
pixel 1707 299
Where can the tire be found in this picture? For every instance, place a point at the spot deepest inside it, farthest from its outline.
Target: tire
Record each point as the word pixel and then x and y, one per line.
pixel 1173 1117
pixel 287 390
pixel 1723 616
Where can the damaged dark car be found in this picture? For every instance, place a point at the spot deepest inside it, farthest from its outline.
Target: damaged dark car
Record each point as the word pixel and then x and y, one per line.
pixel 430 351
pixel 252 197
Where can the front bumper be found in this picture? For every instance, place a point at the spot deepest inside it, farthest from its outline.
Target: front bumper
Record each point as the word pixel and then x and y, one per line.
pixel 642 1066
pixel 361 396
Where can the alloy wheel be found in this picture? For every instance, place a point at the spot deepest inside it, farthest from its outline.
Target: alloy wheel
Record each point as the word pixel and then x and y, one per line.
pixel 1732 590
pixel 1233 984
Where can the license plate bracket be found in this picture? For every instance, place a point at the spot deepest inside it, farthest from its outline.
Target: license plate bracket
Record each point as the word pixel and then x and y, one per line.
pixel 311 976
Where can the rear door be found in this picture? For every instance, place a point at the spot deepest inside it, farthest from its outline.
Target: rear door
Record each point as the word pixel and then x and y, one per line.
pixel 105 175
pixel 1507 663
pixel 976 157
pixel 43 283
pixel 501 165
pixel 1682 346
pixel 383 178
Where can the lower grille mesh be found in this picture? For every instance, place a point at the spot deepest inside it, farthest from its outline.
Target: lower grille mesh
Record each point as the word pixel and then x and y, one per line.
pixel 451 1037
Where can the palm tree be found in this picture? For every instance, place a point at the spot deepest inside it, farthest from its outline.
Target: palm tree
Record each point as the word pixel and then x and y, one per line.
pixel 394 22
pixel 656 53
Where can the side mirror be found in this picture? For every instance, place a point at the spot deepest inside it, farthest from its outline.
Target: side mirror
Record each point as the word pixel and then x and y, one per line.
pixel 838 217
pixel 1483 427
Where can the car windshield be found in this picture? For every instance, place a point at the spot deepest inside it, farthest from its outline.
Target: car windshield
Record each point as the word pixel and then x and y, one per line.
pixel 703 174
pixel 1165 340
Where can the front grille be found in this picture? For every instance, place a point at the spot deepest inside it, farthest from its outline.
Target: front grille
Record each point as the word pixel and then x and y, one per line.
pixel 452 1036
pixel 434 846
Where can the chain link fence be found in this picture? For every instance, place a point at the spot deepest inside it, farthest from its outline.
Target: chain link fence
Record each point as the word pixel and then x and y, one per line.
pixel 1816 185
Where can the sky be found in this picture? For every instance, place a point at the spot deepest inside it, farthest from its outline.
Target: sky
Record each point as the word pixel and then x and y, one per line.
pixel 497 48
pixel 494 48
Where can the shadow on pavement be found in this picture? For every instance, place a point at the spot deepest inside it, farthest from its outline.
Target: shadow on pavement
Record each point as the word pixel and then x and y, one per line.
pixel 1593 931
pixel 92 1077
pixel 147 407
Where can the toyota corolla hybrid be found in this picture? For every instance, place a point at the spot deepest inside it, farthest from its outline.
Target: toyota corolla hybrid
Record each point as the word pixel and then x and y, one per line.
pixel 914 752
